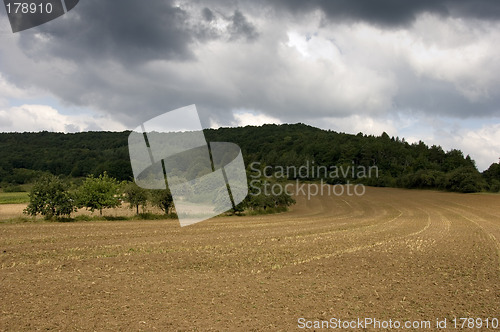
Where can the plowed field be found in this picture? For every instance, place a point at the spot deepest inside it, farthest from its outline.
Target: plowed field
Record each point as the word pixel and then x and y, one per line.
pixel 390 254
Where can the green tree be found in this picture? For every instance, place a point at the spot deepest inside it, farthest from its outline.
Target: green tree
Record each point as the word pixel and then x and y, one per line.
pixel 261 195
pixel 99 193
pixel 162 198
pixel 465 180
pixel 135 196
pixel 221 199
pixel 492 176
pixel 49 197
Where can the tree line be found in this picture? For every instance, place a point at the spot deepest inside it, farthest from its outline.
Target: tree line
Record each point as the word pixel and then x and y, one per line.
pixel 53 197
pixel 25 156
pixel 400 164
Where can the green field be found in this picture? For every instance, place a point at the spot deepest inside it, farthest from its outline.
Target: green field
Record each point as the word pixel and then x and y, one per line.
pixel 14 198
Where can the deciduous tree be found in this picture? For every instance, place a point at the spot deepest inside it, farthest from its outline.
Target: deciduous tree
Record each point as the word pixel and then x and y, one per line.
pixel 162 198
pixel 98 193
pixel 135 195
pixel 49 197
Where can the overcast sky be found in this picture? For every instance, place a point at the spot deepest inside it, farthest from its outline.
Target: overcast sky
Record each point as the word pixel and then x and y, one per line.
pixel 423 70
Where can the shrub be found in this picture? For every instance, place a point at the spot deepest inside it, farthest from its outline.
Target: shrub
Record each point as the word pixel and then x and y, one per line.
pixel 464 180
pixel 162 198
pixel 49 198
pixel 13 189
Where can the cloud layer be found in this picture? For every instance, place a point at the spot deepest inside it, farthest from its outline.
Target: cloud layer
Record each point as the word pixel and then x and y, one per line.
pixel 33 118
pixel 351 65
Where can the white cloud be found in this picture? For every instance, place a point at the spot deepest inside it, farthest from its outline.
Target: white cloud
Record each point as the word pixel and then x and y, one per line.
pixel 483 144
pixel 355 124
pixel 456 51
pixel 243 118
pixel 33 118
pixel 9 91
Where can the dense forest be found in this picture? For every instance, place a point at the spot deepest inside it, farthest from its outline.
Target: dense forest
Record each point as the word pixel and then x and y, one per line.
pixel 24 156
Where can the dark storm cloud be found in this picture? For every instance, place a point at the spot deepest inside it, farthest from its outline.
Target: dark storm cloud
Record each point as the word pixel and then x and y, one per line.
pixel 392 12
pixel 134 32
pixel 238 27
pixel 104 46
pixel 241 27
pixel 126 30
pixel 208 15
pixel 480 9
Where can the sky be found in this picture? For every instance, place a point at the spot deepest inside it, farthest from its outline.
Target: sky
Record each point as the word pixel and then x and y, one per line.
pixel 423 70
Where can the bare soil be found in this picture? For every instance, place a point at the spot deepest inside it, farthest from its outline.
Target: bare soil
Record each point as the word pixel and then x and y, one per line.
pixel 390 254
pixel 8 211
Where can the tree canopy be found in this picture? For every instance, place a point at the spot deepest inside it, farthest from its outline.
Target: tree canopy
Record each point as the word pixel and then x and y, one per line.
pixel 27 155
pixel 98 193
pixel 49 197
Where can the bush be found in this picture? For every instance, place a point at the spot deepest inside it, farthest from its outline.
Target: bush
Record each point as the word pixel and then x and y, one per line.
pixel 494 186
pixel 22 175
pixel 84 218
pixel 13 189
pixel 162 198
pixel 278 209
pixel 465 180
pixel 49 198
pixel 492 176
pixel 153 216
pixel 260 198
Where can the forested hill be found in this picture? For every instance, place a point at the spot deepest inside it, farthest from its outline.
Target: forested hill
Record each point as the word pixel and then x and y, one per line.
pixel 23 156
